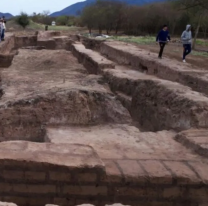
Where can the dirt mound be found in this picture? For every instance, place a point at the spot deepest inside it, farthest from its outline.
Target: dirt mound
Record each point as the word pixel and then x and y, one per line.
pixel 50 87
pixel 48 34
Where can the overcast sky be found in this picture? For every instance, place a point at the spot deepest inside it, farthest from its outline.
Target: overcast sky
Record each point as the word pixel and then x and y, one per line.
pixel 29 6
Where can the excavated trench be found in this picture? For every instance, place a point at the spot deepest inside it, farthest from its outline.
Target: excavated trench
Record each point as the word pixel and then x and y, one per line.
pixel 72 125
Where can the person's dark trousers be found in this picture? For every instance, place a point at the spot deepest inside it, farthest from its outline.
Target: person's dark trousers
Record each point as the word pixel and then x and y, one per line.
pixel 187 50
pixel 162 46
pixel 2 34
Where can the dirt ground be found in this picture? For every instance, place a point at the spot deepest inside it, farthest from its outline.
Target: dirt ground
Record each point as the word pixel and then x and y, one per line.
pixel 50 96
pixel 175 51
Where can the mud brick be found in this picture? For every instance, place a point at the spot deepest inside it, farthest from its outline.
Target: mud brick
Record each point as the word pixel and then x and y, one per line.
pixel 157 173
pixel 132 171
pixel 35 176
pixel 112 171
pixel 13 175
pixel 139 192
pixel 86 177
pixel 184 174
pixel 201 169
pixel 5 187
pixel 60 176
pixel 174 192
pixel 85 190
pixel 34 189
pixel 39 201
pixel 199 194
pixel 64 201
pixel 16 199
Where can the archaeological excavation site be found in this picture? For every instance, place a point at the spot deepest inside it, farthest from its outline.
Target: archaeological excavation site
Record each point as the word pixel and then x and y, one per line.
pixel 100 122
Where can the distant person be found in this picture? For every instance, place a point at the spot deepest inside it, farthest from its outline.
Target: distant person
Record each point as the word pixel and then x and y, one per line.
pixel 186 38
pixel 163 37
pixel 1 28
pixel 4 29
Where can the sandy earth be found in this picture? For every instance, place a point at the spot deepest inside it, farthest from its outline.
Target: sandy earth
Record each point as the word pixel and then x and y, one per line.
pixel 37 72
pixel 69 103
pixel 175 52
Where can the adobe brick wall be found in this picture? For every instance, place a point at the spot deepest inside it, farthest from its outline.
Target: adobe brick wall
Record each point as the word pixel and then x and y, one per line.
pixel 141 60
pixel 25 119
pixel 59 186
pixel 194 139
pixel 65 174
pixel 91 60
pixel 48 34
pixel 7 45
pixel 92 43
pixel 48 43
pixel 63 42
pixel 54 172
pixel 6 60
pixel 159 104
pixel 24 41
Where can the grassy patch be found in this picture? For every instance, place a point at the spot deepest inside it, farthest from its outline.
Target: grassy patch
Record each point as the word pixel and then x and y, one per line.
pixel 202 42
pixel 137 40
pixel 35 26
pixel 196 53
pixel 61 28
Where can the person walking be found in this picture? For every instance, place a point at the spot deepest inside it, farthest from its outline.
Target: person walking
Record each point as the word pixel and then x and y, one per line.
pixel 163 37
pixel 186 38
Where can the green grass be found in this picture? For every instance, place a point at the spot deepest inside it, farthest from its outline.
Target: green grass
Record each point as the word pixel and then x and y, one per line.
pixel 202 42
pixel 137 40
pixel 61 28
pixel 196 53
pixel 150 39
pixel 36 26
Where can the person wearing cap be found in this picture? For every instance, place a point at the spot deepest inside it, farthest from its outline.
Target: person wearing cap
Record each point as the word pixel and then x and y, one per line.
pixel 162 38
pixel 186 38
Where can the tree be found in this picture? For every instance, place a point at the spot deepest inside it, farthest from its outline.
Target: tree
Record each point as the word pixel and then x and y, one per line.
pixel 189 4
pixel 46 13
pixel 23 20
pixel 196 9
pixel 62 20
pixel 88 17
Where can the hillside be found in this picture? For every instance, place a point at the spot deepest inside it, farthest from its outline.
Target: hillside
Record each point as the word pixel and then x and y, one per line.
pixel 76 8
pixel 7 15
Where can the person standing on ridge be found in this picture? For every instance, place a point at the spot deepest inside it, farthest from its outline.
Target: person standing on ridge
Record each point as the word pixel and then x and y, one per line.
pixel 4 28
pixel 163 37
pixel 186 38
pixel 1 28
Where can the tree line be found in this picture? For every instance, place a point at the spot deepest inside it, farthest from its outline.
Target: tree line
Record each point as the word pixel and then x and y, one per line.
pixel 111 16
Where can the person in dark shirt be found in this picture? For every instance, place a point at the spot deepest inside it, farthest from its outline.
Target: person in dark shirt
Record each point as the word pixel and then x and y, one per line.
pixel 163 37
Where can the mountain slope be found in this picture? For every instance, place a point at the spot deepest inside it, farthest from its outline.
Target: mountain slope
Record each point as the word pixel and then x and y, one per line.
pixel 7 15
pixel 76 8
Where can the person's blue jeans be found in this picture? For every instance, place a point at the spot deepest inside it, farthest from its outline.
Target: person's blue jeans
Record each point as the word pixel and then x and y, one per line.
pixel 187 50
pixel 2 34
